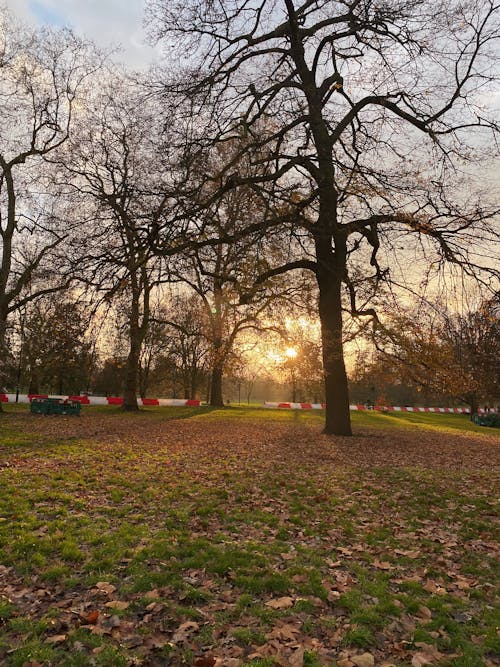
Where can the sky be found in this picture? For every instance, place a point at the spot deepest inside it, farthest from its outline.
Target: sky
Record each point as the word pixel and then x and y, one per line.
pixel 108 23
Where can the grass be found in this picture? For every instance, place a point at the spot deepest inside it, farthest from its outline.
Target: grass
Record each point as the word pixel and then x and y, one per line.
pixel 256 413
pixel 219 535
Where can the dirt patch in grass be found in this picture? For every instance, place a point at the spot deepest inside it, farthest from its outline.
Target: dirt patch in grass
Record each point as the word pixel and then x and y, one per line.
pixel 142 540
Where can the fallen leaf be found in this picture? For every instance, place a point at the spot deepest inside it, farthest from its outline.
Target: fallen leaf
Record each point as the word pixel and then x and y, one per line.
pixel 382 565
pixel 152 595
pixel 344 551
pixel 363 660
pixel 56 639
pixel 296 659
pixel 184 631
pixel 106 587
pixel 424 613
pixel 280 603
pixel 205 661
pixel 408 554
pixel 420 659
pixel 283 632
pixel 110 623
pixel 132 641
pixel 92 618
pixel 117 604
pixel 155 642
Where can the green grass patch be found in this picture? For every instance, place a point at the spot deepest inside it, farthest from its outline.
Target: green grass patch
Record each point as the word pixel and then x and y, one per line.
pixel 192 522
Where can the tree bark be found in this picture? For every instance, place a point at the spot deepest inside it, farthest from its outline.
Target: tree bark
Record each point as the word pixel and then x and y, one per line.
pixel 216 399
pixel 473 402
pixel 130 390
pixel 331 267
pixel 337 415
pixel 3 353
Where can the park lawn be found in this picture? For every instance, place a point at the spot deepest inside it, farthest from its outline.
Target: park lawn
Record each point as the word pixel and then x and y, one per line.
pixel 257 413
pixel 245 537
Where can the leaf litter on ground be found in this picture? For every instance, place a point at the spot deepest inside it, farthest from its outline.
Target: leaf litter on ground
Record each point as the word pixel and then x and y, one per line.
pixel 271 543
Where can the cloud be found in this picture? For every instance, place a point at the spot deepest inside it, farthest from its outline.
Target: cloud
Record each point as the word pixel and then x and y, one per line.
pixel 109 23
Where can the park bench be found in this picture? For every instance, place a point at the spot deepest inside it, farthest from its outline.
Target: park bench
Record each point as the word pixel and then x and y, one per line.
pixel 54 406
pixel 491 419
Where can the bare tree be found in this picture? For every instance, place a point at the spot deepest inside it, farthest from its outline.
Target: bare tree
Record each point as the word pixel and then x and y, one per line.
pixel 220 273
pixel 43 78
pixel 367 111
pixel 114 175
pixel 185 319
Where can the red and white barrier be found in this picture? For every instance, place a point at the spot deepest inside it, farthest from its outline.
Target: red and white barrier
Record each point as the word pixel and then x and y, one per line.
pixel 379 408
pixel 101 400
pixel 163 402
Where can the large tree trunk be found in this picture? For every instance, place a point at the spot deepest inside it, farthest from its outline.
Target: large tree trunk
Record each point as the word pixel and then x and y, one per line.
pixel 216 399
pixel 473 402
pixel 34 384
pixel 337 415
pixel 130 390
pixel 3 354
pixel 329 277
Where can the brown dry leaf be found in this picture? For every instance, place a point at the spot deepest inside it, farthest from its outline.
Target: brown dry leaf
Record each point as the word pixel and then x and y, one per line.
pixel 284 632
pixel 152 595
pixel 424 613
pixel 132 641
pixel 434 587
pixel 184 631
pixel 344 551
pixel 106 587
pixel 205 661
pixel 155 642
pixel 363 660
pixel 427 655
pixel 296 659
pixel 56 639
pixel 280 603
pixel 333 596
pixel 90 618
pixel 117 604
pixel 110 623
pixel 420 659
pixel 382 565
pixel 408 553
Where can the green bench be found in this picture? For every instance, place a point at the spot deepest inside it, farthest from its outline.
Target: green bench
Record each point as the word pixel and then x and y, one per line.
pixel 491 419
pixel 54 406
